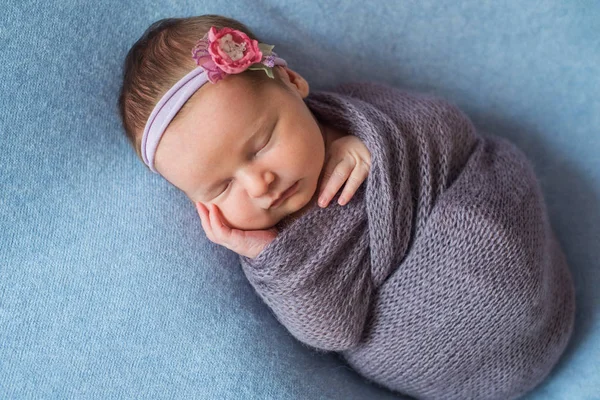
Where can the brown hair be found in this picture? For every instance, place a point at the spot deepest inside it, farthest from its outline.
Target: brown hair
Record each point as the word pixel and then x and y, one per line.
pixel 157 61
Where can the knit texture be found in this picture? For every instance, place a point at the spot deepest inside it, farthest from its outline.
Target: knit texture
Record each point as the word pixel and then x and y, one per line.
pixel 442 278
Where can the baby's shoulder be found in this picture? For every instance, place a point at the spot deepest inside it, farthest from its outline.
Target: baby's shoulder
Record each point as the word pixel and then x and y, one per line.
pixel 367 90
pixel 380 94
pixel 396 100
pixel 376 91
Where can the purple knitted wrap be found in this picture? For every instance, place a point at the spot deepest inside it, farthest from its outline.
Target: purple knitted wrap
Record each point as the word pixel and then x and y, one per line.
pixel 442 278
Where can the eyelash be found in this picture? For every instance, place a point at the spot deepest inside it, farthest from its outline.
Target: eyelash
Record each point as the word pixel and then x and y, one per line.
pixel 253 155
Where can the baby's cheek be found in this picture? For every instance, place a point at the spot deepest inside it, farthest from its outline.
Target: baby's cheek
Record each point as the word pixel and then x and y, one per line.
pixel 245 217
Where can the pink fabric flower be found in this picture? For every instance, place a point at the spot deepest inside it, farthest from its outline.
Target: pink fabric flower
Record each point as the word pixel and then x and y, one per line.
pixel 204 59
pixel 229 51
pixel 232 51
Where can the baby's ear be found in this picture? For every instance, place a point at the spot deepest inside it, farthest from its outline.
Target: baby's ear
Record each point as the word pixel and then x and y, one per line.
pixel 294 80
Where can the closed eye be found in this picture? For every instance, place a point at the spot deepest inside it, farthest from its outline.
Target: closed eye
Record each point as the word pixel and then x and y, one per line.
pixel 264 145
pixel 225 188
pixel 254 155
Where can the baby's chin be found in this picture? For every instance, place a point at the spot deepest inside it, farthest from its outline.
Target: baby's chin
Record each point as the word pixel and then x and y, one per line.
pixel 253 224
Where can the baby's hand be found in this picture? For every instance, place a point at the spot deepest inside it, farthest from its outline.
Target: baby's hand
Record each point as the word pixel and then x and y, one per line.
pixel 348 159
pixel 246 243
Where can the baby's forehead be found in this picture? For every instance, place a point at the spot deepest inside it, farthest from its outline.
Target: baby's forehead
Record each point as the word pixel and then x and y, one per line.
pixel 250 90
pixel 209 142
pixel 220 120
pixel 233 88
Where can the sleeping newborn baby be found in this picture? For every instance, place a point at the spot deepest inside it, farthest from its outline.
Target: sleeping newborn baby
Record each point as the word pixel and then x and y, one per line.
pixel 440 279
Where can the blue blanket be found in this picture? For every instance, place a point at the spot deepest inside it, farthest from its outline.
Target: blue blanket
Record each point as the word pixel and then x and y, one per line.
pixel 97 300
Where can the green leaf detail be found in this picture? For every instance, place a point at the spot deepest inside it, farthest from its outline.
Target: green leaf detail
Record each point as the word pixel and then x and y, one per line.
pixel 259 66
pixel 266 49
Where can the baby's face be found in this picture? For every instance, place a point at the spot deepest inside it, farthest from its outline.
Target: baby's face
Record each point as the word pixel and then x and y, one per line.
pixel 241 145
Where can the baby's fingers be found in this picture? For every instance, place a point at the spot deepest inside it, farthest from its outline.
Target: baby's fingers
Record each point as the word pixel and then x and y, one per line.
pixel 221 231
pixel 247 243
pixel 205 220
pixel 334 177
pixel 359 174
pixel 216 231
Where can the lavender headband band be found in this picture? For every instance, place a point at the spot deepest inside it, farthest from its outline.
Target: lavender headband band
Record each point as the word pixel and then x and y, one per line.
pixel 218 54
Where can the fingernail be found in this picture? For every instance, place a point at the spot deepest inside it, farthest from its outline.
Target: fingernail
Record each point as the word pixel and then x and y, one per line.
pixel 341 201
pixel 322 201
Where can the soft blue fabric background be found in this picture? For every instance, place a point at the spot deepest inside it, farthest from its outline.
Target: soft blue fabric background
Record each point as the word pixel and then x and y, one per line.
pixel 108 286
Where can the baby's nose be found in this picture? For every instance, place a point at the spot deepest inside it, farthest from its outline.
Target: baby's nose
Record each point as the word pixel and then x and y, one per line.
pixel 259 184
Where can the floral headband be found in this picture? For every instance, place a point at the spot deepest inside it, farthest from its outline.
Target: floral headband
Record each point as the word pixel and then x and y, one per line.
pixel 218 54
